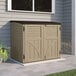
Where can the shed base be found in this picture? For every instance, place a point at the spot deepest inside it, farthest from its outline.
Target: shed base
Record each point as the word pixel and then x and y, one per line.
pixel 40 62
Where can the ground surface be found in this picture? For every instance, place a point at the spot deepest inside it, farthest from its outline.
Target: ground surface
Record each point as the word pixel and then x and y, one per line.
pixel 15 69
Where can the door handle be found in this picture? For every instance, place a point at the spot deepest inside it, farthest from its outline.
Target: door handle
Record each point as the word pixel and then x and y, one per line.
pixel 45 25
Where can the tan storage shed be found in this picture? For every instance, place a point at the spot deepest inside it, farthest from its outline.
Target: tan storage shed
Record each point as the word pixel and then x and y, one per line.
pixel 35 41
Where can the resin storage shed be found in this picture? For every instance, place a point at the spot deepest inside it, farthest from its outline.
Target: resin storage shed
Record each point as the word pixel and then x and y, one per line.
pixel 35 41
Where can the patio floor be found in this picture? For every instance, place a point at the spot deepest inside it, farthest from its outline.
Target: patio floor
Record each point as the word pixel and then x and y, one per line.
pixel 14 69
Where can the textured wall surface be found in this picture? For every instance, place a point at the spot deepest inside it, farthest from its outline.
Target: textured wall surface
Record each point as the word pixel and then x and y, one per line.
pixel 66 27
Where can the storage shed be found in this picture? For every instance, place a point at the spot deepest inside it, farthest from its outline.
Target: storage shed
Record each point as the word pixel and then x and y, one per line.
pixel 35 41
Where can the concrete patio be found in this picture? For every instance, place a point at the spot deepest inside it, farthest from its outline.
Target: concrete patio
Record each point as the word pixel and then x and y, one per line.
pixel 14 69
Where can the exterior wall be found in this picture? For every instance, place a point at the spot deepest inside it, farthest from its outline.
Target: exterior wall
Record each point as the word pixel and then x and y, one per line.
pixel 6 16
pixel 74 27
pixel 67 27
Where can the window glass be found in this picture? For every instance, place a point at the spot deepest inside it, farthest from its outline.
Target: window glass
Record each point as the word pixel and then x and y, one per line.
pixel 43 5
pixel 22 5
pixel 27 5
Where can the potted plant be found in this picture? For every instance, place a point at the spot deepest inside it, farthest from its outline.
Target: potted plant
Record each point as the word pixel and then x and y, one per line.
pixel 3 54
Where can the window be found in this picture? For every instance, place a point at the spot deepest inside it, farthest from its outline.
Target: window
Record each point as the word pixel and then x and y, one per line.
pixel 32 5
pixel 22 5
pixel 43 5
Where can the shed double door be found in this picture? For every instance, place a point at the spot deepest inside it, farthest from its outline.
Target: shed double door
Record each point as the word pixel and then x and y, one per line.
pixel 41 42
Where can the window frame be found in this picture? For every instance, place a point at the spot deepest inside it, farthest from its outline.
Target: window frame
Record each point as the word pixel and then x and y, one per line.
pixel 33 8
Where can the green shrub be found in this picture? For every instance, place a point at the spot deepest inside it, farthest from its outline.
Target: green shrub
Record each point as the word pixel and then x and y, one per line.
pixel 3 54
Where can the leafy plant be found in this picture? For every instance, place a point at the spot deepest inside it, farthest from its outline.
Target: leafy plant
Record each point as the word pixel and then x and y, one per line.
pixel 3 54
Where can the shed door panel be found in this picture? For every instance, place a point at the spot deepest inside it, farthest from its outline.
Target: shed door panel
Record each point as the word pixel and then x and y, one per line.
pixel 51 42
pixel 33 39
pixel 16 41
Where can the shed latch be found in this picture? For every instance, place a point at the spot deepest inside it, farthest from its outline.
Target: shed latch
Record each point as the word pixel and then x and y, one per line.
pixel 60 28
pixel 23 28
pixel 23 56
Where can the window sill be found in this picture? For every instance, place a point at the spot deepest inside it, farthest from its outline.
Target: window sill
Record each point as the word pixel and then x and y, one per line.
pixel 36 12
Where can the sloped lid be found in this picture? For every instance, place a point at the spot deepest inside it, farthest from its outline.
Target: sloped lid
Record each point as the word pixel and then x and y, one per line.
pixel 34 22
